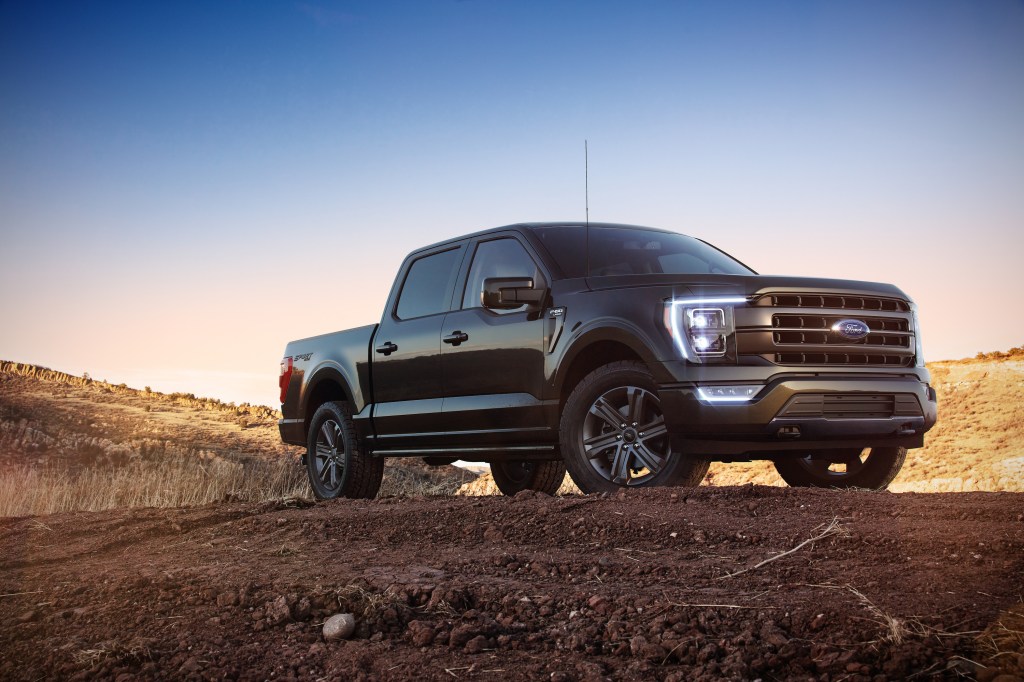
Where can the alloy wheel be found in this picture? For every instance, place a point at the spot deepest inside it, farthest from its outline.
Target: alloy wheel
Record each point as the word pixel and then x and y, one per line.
pixel 624 436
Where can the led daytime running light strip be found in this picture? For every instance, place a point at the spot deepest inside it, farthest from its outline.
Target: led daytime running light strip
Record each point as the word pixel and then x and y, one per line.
pixel 675 316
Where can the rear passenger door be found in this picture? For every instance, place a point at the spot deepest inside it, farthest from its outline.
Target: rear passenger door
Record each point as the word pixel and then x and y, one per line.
pixel 406 365
pixel 494 378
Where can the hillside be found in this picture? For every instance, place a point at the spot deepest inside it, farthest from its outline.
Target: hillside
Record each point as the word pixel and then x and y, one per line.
pixel 70 442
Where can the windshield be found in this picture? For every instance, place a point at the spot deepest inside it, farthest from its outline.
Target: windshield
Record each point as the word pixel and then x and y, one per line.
pixel 618 251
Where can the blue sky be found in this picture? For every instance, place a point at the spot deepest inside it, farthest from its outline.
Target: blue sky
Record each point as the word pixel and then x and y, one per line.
pixel 186 186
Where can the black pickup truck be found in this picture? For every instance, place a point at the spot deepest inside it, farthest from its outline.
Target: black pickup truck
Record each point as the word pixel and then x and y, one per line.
pixel 629 356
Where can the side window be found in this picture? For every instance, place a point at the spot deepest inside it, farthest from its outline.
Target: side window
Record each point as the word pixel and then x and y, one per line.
pixel 426 287
pixel 498 258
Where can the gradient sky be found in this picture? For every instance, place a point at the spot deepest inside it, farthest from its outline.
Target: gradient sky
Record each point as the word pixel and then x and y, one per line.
pixel 185 186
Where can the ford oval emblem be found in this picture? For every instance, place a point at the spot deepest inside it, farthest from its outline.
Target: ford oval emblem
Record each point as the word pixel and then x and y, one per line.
pixel 855 330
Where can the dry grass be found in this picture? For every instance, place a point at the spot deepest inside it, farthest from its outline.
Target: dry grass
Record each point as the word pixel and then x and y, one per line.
pixel 173 482
pixel 179 481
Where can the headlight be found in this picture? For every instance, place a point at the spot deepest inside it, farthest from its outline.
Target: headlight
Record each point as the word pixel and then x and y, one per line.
pixel 918 348
pixel 701 328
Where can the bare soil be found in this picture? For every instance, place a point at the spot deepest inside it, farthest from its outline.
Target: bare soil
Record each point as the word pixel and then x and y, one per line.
pixel 656 584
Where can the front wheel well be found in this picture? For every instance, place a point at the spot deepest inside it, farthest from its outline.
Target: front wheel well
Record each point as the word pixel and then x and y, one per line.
pixel 590 358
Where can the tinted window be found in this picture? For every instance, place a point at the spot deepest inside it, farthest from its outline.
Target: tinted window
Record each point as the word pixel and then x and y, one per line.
pixel 615 251
pixel 567 246
pixel 427 286
pixel 498 258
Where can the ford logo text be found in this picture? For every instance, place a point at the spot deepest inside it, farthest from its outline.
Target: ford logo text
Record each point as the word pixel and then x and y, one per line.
pixel 854 330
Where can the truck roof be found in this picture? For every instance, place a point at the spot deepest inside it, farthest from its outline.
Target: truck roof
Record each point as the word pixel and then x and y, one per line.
pixel 521 227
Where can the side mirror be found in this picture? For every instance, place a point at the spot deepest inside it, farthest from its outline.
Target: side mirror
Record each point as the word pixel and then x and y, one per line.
pixel 506 293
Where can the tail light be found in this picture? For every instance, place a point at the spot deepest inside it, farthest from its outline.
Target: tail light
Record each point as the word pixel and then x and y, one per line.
pixel 285 378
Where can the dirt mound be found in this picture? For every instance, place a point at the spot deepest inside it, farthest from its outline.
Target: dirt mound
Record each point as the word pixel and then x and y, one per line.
pixel 736 582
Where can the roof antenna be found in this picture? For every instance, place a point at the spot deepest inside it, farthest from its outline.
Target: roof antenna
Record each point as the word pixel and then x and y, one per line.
pixel 586 180
pixel 586 203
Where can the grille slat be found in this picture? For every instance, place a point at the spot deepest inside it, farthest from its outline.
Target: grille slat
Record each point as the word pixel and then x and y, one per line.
pixel 893 305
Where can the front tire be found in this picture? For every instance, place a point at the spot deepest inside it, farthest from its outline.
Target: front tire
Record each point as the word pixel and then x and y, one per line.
pixel 869 468
pixel 335 461
pixel 515 476
pixel 613 434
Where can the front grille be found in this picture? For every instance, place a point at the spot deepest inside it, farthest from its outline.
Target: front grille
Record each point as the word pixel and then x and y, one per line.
pixel 817 330
pixel 796 329
pixel 851 406
pixel 893 305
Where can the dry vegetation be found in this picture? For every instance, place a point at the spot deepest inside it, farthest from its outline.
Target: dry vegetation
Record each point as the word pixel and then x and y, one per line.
pixel 73 443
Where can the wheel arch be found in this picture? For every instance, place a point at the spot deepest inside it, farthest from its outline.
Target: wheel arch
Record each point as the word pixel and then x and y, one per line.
pixel 328 384
pixel 596 348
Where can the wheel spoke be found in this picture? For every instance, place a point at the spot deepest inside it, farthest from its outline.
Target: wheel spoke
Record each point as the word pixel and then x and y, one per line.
pixel 323 450
pixel 651 460
pixel 321 468
pixel 604 410
pixel 600 442
pixel 853 462
pixel 620 464
pixel 328 433
pixel 654 429
pixel 636 404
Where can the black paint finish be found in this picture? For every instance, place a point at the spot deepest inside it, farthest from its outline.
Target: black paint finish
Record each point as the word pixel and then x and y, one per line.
pixel 488 384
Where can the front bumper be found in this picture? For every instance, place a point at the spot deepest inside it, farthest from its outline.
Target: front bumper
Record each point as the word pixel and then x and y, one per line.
pixel 778 419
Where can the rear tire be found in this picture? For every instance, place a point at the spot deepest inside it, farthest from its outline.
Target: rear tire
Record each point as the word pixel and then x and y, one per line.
pixel 335 461
pixel 613 434
pixel 515 476
pixel 869 468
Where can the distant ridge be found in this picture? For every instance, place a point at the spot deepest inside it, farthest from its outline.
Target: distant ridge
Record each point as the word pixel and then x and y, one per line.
pixel 186 399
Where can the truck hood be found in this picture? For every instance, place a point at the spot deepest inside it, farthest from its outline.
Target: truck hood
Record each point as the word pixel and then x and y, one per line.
pixel 707 286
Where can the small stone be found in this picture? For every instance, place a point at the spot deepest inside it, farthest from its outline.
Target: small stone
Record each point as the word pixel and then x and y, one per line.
pixel 818 622
pixel 28 617
pixel 339 626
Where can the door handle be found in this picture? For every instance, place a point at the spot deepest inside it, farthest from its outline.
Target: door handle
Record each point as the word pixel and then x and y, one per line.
pixel 387 349
pixel 456 337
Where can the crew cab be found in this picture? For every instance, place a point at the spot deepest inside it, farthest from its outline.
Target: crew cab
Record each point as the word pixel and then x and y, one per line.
pixel 627 355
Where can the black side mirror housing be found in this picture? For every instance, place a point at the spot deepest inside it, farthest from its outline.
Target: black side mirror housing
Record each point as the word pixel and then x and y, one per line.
pixel 506 293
